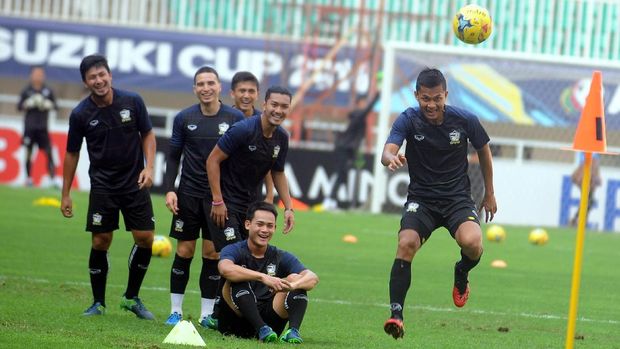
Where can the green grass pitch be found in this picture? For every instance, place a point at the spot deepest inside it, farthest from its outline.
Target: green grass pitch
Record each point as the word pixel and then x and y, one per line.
pixel 44 285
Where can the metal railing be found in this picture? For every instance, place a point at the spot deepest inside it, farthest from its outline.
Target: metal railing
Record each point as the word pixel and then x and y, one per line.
pixel 579 28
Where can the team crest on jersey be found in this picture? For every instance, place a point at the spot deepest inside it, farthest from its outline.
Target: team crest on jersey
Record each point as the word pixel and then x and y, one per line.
pixel 192 127
pixel 125 115
pixel 229 233
pixel 455 137
pixel 413 207
pixel 178 225
pixel 223 127
pixel 419 138
pixel 276 151
pixel 271 269
pixel 94 123
pixel 97 219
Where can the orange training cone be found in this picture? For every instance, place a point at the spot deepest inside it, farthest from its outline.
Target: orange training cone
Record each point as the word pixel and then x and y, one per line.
pixel 590 134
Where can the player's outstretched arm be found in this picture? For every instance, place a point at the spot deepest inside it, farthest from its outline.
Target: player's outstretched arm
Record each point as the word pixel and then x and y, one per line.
pixel 235 273
pixel 219 213
pixel 486 167
pixel 391 158
pixel 281 184
pixel 145 179
pixel 68 173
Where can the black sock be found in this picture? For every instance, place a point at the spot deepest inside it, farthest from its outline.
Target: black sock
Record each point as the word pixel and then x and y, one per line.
pixel 218 298
pixel 98 268
pixel 50 163
pixel 179 274
pixel 295 304
pixel 139 260
pixel 243 297
pixel 400 280
pixel 466 264
pixel 209 278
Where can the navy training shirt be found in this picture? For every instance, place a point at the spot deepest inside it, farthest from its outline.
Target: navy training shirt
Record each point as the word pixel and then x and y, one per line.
pixel 250 157
pixel 113 139
pixel 195 135
pixel 276 262
pixel 437 154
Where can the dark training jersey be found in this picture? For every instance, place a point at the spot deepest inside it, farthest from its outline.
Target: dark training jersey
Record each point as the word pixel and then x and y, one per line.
pixel 113 139
pixel 276 263
pixel 437 154
pixel 37 109
pixel 250 157
pixel 194 135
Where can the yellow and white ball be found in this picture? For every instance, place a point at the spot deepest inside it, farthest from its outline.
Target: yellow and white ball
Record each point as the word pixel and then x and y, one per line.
pixel 472 24
pixel 162 246
pixel 496 233
pixel 538 236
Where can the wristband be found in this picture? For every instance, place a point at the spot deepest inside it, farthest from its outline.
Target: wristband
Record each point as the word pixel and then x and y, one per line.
pixel 217 203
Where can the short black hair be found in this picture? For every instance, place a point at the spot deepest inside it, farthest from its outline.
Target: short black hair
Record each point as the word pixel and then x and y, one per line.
pixel 279 90
pixel 260 206
pixel 430 77
pixel 243 76
pixel 206 69
pixel 90 61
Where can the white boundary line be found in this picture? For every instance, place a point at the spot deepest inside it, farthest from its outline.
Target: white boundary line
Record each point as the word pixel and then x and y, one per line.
pixel 343 302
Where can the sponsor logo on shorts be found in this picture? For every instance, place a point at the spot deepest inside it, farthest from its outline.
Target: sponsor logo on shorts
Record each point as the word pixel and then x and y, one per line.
pixel 276 151
pixel 97 219
pixel 413 207
pixel 223 127
pixel 252 147
pixel 125 115
pixel 301 296
pixel 271 269
pixel 229 233
pixel 178 225
pixel 242 293
pixel 94 123
pixel 192 127
pixel 419 138
pixel 214 277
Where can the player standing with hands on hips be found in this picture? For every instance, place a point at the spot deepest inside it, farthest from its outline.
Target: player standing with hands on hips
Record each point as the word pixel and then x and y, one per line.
pixel 121 149
pixel 439 190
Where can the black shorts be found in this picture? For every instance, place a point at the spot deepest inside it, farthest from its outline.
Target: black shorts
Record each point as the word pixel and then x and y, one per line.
pixel 194 216
pixel 231 324
pixel 424 216
pixel 39 137
pixel 233 231
pixel 136 208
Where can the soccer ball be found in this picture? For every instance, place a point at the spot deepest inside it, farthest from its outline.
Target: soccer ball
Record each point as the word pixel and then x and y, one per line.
pixel 472 24
pixel 538 236
pixel 496 233
pixel 162 246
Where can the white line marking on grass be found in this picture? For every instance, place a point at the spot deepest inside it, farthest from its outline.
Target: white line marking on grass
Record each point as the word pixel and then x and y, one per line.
pixel 344 302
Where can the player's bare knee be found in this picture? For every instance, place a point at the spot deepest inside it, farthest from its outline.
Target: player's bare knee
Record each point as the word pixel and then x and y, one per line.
pixel 143 238
pixel 186 249
pixel 408 242
pixel 102 242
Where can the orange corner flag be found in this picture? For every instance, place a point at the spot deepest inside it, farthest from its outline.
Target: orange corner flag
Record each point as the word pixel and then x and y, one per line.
pixel 590 134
